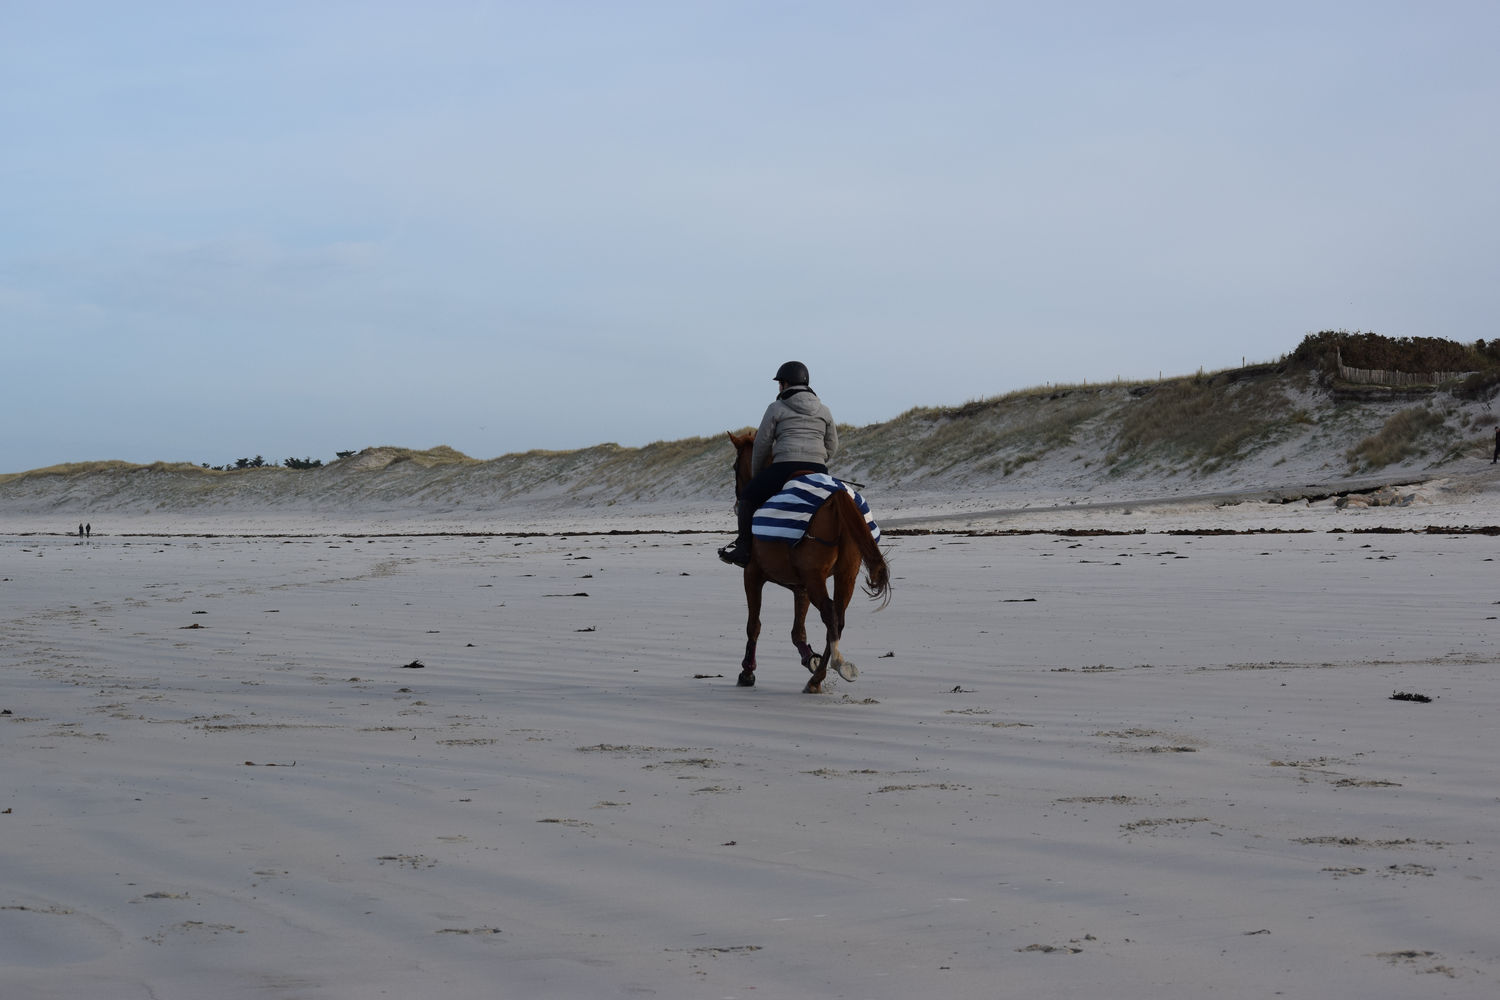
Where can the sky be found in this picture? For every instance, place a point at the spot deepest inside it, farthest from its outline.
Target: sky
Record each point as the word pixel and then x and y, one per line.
pixel 289 229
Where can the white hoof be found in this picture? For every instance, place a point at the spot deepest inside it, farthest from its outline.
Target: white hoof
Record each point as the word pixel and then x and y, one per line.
pixel 846 670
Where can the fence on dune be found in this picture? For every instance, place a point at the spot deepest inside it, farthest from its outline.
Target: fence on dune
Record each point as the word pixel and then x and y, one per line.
pixel 1375 376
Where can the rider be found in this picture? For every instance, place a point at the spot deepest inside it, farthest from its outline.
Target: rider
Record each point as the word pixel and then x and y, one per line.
pixel 796 435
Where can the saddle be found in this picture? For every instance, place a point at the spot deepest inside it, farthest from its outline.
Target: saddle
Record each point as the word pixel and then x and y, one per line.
pixel 784 518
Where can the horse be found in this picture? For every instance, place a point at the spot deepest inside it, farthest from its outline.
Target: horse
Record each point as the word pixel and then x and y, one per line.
pixel 837 542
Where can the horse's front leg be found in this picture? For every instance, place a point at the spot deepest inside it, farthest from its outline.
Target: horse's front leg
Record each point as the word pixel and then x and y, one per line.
pixel 799 630
pixel 754 583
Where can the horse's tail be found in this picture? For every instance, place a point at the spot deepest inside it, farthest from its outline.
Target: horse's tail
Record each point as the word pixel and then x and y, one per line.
pixel 877 570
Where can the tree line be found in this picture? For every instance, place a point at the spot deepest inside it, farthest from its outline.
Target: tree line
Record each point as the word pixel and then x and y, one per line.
pixel 1414 355
pixel 1401 354
pixel 259 462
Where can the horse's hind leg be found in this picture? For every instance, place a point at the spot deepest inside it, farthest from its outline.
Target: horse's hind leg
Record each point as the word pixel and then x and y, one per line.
pixel 799 630
pixel 819 664
pixel 846 576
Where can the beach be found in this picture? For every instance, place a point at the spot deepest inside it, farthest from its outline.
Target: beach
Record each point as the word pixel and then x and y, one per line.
pixel 1089 757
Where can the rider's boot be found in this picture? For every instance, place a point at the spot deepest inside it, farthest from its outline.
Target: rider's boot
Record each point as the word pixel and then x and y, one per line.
pixel 736 553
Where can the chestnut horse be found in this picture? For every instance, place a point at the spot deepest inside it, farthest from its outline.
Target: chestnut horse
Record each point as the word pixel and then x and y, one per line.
pixel 837 541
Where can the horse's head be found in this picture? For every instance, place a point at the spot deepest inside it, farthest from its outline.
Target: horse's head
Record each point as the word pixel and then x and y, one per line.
pixel 744 446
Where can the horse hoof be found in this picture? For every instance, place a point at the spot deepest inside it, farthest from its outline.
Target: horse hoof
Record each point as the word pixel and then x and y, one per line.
pixel 812 663
pixel 747 679
pixel 846 670
pixel 812 688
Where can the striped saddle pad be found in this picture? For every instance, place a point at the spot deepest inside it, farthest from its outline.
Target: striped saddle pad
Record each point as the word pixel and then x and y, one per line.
pixel 785 516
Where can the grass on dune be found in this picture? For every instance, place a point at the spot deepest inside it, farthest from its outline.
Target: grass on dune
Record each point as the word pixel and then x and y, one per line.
pixel 91 468
pixel 984 436
pixel 1203 425
pixel 1399 438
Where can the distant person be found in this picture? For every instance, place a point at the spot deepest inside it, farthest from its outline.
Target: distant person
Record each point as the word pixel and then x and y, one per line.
pixel 80 527
pixel 88 531
pixel 797 434
pixel 1496 456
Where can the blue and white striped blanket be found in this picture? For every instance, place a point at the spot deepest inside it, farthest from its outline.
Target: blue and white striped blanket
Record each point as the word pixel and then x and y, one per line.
pixel 785 516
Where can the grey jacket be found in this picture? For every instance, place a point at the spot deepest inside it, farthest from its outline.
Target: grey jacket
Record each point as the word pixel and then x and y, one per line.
pixel 797 427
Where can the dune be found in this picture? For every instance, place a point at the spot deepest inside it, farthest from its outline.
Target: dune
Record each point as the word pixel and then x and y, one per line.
pixel 1276 432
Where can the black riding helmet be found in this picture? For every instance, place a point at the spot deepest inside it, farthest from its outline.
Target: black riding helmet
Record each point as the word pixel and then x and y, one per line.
pixel 793 373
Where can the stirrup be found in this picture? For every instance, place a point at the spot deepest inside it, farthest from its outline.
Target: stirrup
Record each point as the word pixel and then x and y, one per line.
pixel 732 554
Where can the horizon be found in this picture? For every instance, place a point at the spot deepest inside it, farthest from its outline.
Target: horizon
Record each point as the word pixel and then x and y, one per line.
pixel 292 230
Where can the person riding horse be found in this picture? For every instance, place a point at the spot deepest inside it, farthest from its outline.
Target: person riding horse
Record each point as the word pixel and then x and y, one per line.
pixel 796 435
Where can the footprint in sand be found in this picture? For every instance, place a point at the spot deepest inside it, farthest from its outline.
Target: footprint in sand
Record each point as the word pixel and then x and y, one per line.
pixel 45 934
